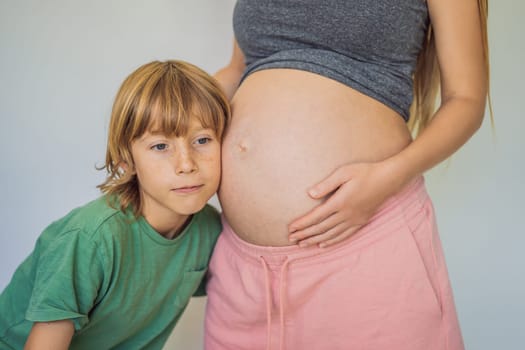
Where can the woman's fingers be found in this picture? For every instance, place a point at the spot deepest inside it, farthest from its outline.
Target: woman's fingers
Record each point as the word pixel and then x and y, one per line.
pixel 341 237
pixel 337 234
pixel 330 183
pixel 315 229
pixel 325 236
pixel 314 217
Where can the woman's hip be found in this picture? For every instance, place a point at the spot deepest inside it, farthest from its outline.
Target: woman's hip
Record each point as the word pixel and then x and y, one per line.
pixel 386 285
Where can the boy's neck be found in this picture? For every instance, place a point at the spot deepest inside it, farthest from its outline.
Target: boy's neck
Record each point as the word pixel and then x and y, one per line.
pixel 168 226
pixel 175 232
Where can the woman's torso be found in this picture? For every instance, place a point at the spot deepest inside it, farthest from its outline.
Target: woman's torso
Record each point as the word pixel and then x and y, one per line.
pixel 294 125
pixel 284 139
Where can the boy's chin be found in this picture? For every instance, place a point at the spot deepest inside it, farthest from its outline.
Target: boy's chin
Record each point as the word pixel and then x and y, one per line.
pixel 192 209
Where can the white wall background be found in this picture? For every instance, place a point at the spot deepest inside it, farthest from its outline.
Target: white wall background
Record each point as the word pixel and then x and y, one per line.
pixel 62 61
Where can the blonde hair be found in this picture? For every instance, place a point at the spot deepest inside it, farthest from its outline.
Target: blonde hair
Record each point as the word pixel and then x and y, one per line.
pixel 427 76
pixel 164 96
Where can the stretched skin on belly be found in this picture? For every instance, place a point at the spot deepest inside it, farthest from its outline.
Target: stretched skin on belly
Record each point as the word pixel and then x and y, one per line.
pixel 289 130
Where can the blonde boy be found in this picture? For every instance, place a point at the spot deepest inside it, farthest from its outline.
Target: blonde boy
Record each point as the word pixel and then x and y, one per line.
pixel 119 271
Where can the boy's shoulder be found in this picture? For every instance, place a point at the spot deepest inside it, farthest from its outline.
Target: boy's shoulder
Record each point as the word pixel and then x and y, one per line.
pixel 206 223
pixel 99 220
pixel 207 220
pixel 91 217
pixel 209 212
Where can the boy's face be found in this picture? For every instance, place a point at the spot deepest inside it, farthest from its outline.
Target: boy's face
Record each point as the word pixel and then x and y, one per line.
pixel 176 175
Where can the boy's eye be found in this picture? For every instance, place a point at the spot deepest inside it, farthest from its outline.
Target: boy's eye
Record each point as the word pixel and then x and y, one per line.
pixel 203 140
pixel 160 147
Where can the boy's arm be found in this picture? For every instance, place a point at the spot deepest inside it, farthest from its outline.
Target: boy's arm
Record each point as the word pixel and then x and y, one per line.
pixel 54 335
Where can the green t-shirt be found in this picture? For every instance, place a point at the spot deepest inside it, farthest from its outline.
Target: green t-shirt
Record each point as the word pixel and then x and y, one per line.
pixel 122 284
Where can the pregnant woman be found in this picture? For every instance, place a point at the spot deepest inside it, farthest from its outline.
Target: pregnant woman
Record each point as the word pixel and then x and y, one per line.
pixel 329 238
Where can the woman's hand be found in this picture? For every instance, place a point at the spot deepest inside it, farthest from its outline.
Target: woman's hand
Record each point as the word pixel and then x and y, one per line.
pixel 353 194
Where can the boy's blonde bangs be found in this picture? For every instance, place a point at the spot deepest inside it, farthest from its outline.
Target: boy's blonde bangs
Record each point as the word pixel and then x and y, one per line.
pixel 170 102
pixel 160 97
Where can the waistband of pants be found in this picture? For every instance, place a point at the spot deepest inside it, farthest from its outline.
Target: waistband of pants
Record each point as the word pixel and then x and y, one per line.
pixel 389 217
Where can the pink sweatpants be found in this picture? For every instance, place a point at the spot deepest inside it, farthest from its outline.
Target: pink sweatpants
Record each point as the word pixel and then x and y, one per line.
pixel 386 288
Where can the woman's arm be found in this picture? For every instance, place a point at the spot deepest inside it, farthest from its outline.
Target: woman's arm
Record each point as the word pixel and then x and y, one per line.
pixel 361 188
pixel 50 335
pixel 464 82
pixel 230 76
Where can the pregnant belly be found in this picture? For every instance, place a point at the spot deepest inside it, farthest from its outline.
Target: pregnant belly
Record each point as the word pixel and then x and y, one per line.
pixel 289 130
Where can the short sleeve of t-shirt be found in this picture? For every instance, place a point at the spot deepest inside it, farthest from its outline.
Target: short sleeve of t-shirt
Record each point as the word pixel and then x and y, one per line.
pixel 68 277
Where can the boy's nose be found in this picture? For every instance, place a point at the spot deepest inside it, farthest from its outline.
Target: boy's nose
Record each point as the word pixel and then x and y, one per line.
pixel 185 163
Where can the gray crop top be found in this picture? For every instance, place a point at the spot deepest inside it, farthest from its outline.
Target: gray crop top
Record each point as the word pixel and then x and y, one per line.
pixel 371 46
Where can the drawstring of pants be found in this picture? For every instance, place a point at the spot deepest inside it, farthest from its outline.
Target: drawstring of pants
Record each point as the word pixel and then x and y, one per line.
pixel 268 304
pixel 282 303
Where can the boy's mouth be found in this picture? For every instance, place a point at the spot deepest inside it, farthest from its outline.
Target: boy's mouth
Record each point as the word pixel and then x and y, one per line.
pixel 188 189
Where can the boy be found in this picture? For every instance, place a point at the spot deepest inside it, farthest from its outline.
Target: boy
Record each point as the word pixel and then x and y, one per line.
pixel 119 271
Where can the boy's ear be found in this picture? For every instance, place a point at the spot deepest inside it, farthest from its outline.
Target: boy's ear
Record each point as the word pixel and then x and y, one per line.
pixel 124 168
